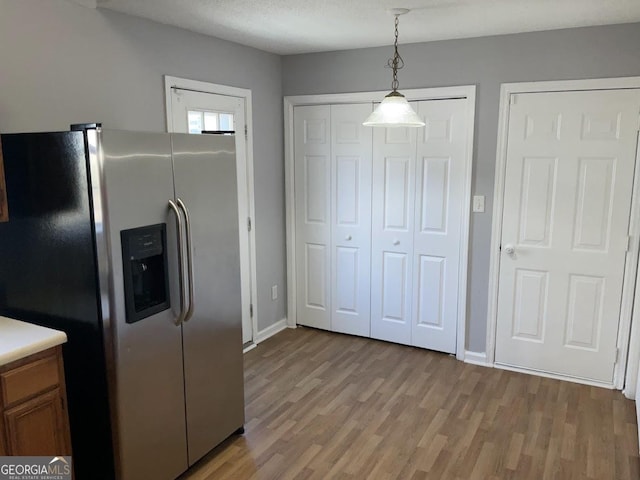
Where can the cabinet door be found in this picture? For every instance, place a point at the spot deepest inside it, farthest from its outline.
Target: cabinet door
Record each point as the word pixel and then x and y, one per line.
pixel 4 208
pixel 4 451
pixel 350 219
pixel 313 215
pixel 37 427
pixel 394 154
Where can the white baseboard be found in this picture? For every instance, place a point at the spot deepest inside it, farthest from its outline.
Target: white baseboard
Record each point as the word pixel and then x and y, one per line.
pixel 270 331
pixel 476 358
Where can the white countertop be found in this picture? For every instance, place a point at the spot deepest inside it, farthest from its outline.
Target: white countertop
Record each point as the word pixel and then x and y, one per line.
pixel 20 339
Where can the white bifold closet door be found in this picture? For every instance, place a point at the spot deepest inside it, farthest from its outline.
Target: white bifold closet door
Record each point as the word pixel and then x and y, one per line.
pixel 418 206
pixel 378 222
pixel 351 219
pixel 393 202
pixel 437 244
pixel 313 215
pixel 333 217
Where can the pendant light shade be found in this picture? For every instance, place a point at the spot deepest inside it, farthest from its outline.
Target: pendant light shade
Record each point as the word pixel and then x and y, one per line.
pixel 394 110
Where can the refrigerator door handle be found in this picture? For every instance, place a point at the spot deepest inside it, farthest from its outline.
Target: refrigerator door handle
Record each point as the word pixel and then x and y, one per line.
pixel 180 235
pixel 187 222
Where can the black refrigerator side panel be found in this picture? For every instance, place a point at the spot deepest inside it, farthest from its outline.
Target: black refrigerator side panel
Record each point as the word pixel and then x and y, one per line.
pixel 48 276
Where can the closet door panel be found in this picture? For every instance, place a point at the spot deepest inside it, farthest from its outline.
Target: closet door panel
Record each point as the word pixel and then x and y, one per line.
pixel 393 215
pixel 378 222
pixel 440 160
pixel 312 154
pixel 351 146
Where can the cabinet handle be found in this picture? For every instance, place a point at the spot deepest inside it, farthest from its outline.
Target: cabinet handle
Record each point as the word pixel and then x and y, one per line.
pixel 396 242
pixel 348 237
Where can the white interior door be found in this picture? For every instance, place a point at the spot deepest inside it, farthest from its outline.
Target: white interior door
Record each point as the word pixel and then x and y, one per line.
pixel 193 112
pixel 440 194
pixel 638 404
pixel 312 153
pixel 568 185
pixel 351 219
pixel 393 201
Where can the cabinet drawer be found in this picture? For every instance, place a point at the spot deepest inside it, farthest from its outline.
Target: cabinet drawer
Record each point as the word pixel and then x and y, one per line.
pixel 28 380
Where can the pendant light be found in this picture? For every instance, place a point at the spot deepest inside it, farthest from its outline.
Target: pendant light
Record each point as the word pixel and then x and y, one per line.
pixel 394 110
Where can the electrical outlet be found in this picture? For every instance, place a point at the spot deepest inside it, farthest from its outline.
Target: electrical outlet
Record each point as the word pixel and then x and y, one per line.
pixel 478 203
pixel 274 292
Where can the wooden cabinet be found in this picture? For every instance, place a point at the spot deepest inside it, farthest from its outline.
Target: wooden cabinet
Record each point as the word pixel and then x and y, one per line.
pixel 3 449
pixel 34 418
pixel 4 207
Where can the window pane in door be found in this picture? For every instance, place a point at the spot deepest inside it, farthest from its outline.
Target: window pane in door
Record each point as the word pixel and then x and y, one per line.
pixel 226 121
pixel 210 121
pixel 195 121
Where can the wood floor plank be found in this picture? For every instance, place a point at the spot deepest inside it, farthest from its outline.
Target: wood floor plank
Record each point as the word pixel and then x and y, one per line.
pixel 328 406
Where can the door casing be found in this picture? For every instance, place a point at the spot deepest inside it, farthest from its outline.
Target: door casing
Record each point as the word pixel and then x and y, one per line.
pixel 465 91
pixel 631 263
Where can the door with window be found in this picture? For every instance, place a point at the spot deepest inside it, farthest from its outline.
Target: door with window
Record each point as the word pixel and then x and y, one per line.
pixel 200 112
pixel 567 200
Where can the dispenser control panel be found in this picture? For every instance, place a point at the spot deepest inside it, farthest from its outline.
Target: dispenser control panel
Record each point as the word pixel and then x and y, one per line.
pixel 145 269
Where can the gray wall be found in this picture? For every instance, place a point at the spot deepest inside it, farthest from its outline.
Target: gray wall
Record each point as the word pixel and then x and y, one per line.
pixel 609 51
pixel 61 63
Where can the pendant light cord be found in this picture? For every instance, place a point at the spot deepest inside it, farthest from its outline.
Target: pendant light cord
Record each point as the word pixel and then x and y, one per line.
pixel 395 62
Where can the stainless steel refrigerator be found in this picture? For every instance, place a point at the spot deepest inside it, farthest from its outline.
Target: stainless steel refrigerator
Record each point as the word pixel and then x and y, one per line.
pixel 129 243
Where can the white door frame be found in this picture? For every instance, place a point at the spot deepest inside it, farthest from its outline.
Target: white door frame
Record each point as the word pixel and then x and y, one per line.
pixel 464 91
pixel 506 90
pixel 246 204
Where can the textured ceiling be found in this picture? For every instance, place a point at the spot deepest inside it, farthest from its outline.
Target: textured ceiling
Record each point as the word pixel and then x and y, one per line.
pixel 301 26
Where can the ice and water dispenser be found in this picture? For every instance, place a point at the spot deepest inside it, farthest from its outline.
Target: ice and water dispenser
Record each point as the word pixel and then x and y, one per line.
pixel 146 281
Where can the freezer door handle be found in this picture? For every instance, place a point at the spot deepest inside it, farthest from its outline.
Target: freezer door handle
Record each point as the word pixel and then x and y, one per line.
pixel 187 222
pixel 180 235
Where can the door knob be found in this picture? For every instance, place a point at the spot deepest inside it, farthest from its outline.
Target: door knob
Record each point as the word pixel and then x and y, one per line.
pixel 348 237
pixel 396 242
pixel 509 249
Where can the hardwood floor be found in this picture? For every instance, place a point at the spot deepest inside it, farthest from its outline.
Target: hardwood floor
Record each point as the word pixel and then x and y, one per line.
pixel 321 405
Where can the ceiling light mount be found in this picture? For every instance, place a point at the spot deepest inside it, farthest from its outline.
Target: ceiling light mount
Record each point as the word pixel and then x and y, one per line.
pixel 394 110
pixel 398 11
